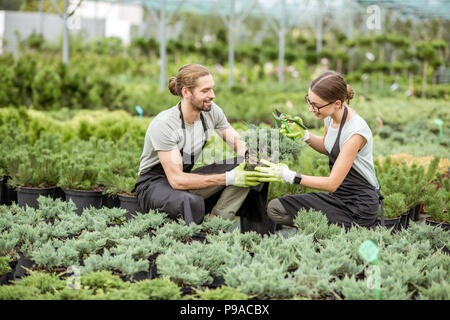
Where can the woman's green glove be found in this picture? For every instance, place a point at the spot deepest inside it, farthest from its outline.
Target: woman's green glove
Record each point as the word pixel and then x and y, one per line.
pixel 242 178
pixel 276 172
pixel 293 131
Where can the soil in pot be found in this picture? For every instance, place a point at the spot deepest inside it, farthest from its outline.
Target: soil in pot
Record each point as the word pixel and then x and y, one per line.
pixel 445 226
pixel 129 203
pixel 28 196
pixel 84 198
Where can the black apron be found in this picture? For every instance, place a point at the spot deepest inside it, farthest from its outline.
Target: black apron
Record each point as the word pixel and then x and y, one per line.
pixel 356 201
pixel 153 191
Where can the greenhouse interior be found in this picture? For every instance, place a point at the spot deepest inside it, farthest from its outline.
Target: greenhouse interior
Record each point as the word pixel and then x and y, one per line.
pixel 307 144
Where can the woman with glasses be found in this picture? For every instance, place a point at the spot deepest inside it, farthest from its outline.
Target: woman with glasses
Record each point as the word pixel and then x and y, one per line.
pixel 352 190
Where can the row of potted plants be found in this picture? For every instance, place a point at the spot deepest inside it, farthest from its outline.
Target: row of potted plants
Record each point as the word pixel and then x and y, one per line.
pixel 90 173
pixel 407 188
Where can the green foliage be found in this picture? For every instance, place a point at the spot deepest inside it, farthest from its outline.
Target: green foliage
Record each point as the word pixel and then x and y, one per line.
pixel 437 291
pixel 437 202
pixel 43 282
pixel 316 223
pixel 260 138
pixel 102 282
pixel 215 225
pixel 403 186
pixel 179 231
pixel 4 265
pixel 79 174
pixel 37 166
pixel 222 293
pixel 158 289
pixel 394 205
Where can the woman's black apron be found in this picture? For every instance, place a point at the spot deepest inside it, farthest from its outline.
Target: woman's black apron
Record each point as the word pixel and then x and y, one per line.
pixel 153 191
pixel 356 201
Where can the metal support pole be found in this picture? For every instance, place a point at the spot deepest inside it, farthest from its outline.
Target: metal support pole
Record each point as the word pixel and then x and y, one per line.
pixel 231 44
pixel 319 32
pixel 65 53
pixel 281 43
pixel 162 46
pixel 41 18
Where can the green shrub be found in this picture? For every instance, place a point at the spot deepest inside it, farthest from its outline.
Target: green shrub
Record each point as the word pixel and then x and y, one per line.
pixel 79 174
pixel 158 289
pixel 222 293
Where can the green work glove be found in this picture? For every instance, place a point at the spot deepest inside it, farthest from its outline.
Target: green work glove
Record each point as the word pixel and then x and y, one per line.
pixel 276 172
pixel 296 132
pixel 242 178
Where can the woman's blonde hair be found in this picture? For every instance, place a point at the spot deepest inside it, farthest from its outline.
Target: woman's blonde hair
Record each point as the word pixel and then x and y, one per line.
pixel 187 77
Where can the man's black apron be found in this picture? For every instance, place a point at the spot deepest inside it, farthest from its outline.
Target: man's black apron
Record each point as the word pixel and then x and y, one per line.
pixel 153 191
pixel 356 201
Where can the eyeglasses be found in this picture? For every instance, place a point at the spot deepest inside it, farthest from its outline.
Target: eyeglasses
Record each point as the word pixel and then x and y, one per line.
pixel 316 108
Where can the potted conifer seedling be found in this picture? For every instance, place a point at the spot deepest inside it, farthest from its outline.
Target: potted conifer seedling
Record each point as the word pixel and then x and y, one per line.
pixel 12 137
pixel 33 173
pixel 437 204
pixel 78 179
pixel 121 186
pixel 119 174
pixel 394 207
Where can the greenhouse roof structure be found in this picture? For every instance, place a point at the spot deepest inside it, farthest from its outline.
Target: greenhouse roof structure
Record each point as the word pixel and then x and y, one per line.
pixel 408 8
pixel 415 8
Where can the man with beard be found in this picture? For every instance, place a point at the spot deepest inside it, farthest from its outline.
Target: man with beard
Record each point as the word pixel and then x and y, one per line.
pixel 173 142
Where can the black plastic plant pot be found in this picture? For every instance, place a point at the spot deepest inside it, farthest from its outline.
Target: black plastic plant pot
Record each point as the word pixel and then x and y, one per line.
pixel 404 220
pixel 6 278
pixel 2 190
pixel 393 223
pixel 7 195
pixel 443 225
pixel 23 263
pixel 59 194
pixel 416 214
pixel 28 196
pixel 129 203
pixel 84 199
pixel 110 201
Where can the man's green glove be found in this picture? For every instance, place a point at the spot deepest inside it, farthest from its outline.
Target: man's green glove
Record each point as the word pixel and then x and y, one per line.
pixel 276 172
pixel 293 131
pixel 242 178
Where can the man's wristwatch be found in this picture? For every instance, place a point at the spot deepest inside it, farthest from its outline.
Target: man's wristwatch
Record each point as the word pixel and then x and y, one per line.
pixel 297 178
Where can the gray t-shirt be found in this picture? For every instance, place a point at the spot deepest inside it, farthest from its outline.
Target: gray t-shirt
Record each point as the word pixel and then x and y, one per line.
pixel 363 163
pixel 165 133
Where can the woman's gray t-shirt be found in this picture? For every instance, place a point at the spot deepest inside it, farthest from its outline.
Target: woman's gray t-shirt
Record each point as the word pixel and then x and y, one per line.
pixel 363 163
pixel 165 133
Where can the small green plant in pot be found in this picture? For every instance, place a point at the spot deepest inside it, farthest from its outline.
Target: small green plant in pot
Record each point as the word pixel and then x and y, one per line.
pixel 394 207
pixel 437 203
pixel 34 172
pixel 79 181
pixel 121 186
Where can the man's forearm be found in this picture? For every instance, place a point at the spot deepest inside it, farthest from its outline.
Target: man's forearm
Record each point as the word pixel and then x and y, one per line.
pixel 190 181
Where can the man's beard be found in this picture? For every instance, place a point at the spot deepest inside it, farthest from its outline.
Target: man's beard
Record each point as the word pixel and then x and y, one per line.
pixel 200 105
